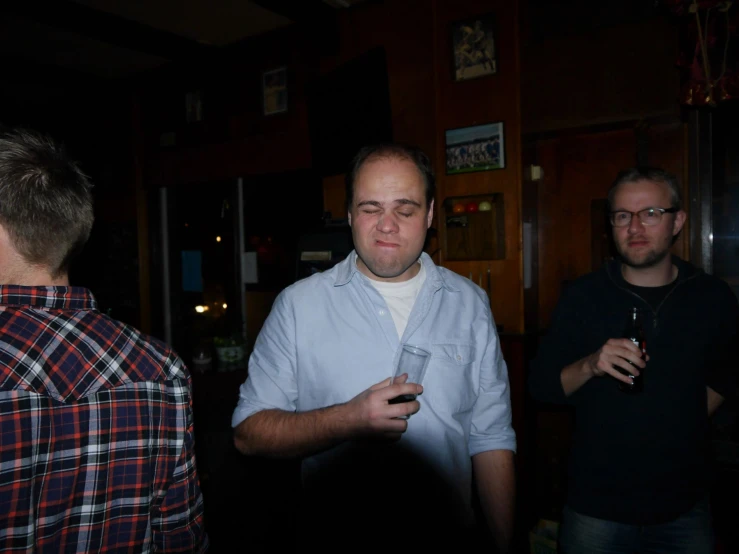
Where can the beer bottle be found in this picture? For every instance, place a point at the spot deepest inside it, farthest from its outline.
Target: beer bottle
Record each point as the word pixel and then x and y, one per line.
pixel 635 333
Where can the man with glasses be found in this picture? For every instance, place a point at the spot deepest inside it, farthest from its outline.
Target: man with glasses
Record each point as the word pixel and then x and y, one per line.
pixel 638 475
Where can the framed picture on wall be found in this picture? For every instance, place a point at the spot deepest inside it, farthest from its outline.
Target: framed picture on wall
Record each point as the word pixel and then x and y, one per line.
pixel 477 148
pixel 473 48
pixel 274 91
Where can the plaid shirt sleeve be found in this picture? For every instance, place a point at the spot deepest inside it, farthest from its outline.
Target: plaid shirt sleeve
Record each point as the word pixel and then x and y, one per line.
pixel 177 523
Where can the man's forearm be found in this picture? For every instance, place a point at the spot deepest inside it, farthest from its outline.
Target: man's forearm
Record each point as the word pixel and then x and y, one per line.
pixel 575 375
pixel 284 434
pixel 496 485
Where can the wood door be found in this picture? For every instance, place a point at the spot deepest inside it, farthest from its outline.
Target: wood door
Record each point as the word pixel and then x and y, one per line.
pixel 577 172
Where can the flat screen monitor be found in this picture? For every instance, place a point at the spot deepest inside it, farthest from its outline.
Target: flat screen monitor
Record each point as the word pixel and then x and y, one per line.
pixel 349 108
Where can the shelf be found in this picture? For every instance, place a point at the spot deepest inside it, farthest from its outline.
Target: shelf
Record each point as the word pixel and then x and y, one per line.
pixel 474 227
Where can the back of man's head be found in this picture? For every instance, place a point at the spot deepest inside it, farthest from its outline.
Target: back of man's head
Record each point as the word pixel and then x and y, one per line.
pixel 45 200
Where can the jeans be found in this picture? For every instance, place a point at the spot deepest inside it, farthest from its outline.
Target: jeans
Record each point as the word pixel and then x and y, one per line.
pixel 691 533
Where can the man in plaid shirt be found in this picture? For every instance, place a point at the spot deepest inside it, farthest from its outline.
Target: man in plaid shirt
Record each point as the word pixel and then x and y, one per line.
pixel 96 425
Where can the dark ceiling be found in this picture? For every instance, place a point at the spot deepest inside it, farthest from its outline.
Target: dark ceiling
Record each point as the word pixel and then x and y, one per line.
pixel 121 38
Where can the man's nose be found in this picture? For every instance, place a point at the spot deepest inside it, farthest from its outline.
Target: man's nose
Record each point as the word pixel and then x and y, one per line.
pixel 635 225
pixel 387 223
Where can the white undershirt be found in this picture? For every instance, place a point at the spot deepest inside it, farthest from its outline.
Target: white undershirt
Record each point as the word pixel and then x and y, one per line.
pixel 400 297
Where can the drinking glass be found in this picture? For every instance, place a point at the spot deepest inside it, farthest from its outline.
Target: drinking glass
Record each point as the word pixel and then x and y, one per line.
pixel 413 361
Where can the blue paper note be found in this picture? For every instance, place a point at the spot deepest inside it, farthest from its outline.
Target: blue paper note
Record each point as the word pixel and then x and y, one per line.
pixel 192 271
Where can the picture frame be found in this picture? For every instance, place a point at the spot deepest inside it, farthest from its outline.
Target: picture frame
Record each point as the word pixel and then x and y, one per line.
pixel 473 48
pixel 475 148
pixel 274 91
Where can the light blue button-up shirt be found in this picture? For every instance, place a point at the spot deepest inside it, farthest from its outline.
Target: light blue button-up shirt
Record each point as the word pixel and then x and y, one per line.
pixel 331 336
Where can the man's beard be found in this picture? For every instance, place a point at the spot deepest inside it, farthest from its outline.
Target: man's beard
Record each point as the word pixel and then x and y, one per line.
pixel 652 258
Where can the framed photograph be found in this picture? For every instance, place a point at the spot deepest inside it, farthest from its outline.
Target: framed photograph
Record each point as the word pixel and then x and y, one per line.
pixel 274 91
pixel 473 48
pixel 478 148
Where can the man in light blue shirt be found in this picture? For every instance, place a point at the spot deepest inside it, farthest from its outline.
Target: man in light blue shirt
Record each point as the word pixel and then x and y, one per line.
pixel 320 374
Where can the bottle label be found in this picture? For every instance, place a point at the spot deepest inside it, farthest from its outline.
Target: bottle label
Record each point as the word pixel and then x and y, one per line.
pixel 642 346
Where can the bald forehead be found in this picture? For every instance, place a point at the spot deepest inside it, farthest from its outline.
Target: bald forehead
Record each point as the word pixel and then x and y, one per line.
pixel 387 157
pixel 401 163
pixel 386 174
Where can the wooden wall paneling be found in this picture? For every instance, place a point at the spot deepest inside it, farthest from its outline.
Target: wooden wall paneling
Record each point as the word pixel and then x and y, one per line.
pixel 424 100
pixel 473 102
pixel 473 270
pixel 517 350
pixel 405 31
pixel 334 196
pixel 577 170
pixel 529 217
pixel 598 76
pixel 514 349
pixel 503 279
pixel 235 138
pixel 251 155
pixel 667 148
pixel 551 263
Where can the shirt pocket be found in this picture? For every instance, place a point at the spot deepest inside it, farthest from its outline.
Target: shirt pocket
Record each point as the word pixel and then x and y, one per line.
pixel 449 382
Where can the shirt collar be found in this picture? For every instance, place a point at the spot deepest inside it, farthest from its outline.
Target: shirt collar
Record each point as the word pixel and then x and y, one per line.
pixel 685 270
pixel 347 269
pixel 55 298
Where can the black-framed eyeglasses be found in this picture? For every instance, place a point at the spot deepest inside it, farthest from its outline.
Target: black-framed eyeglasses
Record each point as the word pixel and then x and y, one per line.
pixel 647 216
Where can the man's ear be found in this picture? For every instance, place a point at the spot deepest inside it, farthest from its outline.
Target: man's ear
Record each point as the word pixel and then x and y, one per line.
pixel 677 225
pixel 349 218
pixel 430 215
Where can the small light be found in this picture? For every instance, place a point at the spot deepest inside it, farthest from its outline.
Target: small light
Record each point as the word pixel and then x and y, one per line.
pixel 225 305
pixel 218 239
pixel 200 309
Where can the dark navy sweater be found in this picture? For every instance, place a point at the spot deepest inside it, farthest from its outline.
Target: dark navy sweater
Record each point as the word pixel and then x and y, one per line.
pixel 641 458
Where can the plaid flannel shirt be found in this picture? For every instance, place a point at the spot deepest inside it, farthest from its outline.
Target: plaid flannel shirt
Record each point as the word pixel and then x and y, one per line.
pixel 96 432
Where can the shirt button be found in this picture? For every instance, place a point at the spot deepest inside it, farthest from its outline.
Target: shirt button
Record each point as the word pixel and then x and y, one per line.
pixel 382 312
pixel 459 358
